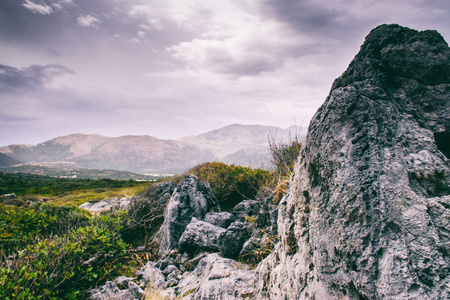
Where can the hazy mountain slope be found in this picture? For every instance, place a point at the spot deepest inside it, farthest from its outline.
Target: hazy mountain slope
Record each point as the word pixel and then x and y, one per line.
pixel 245 145
pixel 20 152
pixel 233 138
pixel 235 144
pixel 7 161
pixel 143 154
pixel 62 148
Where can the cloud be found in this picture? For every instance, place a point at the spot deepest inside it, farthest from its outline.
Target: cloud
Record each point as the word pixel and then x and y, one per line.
pixel 45 8
pixel 148 13
pixel 29 78
pixel 87 21
pixel 42 9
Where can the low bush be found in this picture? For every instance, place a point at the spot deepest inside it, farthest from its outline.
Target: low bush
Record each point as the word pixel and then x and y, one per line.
pixel 65 267
pixel 20 226
pixel 231 184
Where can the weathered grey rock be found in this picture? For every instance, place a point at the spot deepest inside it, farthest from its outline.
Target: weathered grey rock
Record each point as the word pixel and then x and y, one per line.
pixel 267 216
pixel 136 291
pixel 107 204
pixel 191 198
pixel 221 219
pixel 170 269
pixel 123 280
pixel 246 208
pixel 150 276
pixel 216 277
pixel 368 211
pixel 164 192
pixel 110 291
pixel 232 240
pixel 200 235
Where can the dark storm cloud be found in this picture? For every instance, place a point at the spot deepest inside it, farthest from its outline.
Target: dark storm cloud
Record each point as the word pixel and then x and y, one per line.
pixel 305 16
pixel 30 78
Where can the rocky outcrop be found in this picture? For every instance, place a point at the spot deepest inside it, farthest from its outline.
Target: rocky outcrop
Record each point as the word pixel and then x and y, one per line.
pixel 191 198
pixel 216 277
pixel 368 212
pixel 97 207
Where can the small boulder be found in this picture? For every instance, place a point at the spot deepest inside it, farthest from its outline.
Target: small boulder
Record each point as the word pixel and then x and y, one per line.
pixel 232 240
pixel 200 235
pixel 221 219
pixel 246 208
pixel 151 276
pixel 216 277
pixel 97 207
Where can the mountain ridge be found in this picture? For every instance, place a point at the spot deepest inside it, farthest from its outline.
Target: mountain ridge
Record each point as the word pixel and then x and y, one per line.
pixel 235 144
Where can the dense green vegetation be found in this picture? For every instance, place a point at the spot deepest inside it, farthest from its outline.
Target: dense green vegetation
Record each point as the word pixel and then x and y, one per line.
pixel 21 226
pixel 231 184
pixel 65 266
pixel 53 249
pixel 68 171
pixel 28 184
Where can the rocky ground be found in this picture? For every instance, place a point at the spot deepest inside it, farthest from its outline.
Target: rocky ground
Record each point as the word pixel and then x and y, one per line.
pixel 200 246
pixel 367 215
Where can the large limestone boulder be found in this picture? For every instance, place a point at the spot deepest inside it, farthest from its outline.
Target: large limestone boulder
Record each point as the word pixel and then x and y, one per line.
pixel 216 277
pixel 191 198
pixel 368 212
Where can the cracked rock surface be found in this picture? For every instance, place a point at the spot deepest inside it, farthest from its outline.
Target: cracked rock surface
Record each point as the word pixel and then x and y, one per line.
pixel 368 212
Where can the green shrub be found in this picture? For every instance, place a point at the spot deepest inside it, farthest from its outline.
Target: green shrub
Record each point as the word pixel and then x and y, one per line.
pixel 65 267
pixel 20 226
pixel 231 184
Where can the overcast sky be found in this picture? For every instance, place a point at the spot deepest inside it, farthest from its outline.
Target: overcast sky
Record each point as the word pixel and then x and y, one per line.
pixel 172 68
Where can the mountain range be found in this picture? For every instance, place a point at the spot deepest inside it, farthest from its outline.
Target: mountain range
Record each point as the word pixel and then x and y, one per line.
pixel 245 145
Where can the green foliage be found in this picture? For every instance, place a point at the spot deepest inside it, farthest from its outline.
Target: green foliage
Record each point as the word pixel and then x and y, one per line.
pixel 231 184
pixel 65 267
pixel 27 184
pixel 20 226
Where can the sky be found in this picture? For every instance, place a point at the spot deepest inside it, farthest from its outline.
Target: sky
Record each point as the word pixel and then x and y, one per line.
pixel 174 68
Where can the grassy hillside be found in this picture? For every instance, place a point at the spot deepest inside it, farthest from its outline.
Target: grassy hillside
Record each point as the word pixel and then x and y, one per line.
pixel 66 190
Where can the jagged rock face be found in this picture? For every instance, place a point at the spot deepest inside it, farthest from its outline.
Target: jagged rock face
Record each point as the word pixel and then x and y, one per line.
pixel 368 212
pixel 191 198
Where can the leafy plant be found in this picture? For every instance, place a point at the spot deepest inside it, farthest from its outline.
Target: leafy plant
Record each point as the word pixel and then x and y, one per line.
pixel 231 184
pixel 65 267
pixel 20 226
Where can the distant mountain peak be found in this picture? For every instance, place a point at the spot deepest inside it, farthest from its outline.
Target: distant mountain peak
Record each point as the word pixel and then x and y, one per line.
pixel 235 143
